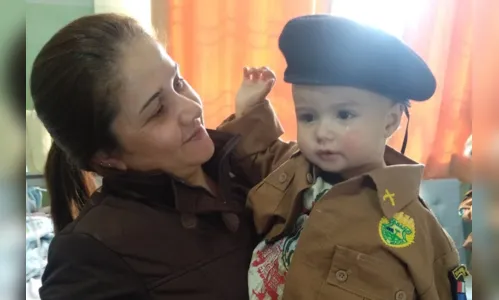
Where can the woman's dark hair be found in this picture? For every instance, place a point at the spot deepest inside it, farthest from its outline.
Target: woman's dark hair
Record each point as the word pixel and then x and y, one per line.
pixel 74 82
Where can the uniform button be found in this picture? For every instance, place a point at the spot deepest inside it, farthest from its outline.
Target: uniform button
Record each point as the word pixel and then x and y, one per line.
pixel 400 295
pixel 310 178
pixel 231 221
pixel 283 177
pixel 342 276
pixel 189 221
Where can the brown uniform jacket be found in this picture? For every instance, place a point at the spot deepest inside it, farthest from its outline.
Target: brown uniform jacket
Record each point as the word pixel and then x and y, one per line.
pixel 369 237
pixel 150 236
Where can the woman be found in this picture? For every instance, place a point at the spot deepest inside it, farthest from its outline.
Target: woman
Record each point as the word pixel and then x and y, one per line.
pixel 169 221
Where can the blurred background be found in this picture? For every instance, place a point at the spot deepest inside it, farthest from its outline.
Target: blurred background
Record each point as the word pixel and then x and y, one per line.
pixel 212 41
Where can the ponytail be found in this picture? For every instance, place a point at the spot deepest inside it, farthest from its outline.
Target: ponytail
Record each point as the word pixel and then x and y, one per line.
pixel 69 187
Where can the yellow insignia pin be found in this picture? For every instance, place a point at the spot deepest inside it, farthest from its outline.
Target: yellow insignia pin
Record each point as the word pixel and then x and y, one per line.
pixel 397 232
pixel 389 197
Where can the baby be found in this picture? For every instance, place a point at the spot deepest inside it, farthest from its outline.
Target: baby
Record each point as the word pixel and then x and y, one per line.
pixel 340 211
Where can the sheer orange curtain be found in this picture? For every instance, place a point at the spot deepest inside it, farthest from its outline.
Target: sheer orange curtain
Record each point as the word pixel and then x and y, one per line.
pixel 213 40
pixel 439 127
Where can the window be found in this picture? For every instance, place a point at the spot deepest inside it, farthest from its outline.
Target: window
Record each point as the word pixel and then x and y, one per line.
pixel 392 16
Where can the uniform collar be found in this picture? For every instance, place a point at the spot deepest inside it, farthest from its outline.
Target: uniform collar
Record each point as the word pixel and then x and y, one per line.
pixel 162 189
pixel 396 185
pixel 397 164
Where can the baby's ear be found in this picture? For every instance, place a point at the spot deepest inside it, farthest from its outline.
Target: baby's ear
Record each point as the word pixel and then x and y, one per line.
pixel 393 118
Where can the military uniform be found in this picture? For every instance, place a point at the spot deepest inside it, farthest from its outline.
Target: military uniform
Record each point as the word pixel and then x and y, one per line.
pixel 368 237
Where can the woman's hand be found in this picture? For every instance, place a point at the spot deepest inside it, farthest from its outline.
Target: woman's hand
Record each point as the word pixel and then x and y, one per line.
pixel 257 84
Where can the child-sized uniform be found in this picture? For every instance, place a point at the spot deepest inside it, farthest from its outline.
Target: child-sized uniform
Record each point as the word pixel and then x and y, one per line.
pixel 368 237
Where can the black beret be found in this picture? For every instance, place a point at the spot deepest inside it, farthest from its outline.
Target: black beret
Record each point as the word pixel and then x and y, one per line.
pixel 329 50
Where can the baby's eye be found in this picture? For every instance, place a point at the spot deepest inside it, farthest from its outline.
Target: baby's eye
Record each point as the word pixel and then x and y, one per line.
pixel 306 117
pixel 345 115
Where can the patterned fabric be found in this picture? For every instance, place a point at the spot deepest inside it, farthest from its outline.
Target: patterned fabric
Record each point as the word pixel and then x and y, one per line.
pixel 39 234
pixel 270 262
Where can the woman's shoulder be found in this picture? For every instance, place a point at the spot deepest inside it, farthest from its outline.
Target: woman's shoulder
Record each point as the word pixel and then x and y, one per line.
pixel 80 266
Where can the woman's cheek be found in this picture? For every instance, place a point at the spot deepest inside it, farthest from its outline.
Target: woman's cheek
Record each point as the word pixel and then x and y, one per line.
pixel 167 138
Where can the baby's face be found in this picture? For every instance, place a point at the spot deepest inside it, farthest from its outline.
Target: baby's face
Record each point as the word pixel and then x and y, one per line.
pixel 344 129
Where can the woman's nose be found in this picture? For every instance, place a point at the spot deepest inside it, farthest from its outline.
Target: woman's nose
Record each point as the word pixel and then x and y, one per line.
pixel 190 111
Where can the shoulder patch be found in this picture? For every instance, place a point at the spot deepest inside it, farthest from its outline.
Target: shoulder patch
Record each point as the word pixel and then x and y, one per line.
pixel 460 272
pixel 457 278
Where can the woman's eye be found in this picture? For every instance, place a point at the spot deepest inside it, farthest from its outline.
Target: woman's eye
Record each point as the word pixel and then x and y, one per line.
pixel 179 84
pixel 307 118
pixel 345 115
pixel 159 111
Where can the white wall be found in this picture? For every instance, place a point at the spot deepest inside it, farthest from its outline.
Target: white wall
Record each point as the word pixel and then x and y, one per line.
pixel 138 9
pixel 43 19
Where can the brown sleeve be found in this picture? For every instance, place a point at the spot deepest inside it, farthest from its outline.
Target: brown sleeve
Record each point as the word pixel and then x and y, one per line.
pixel 444 283
pixel 445 286
pixel 260 151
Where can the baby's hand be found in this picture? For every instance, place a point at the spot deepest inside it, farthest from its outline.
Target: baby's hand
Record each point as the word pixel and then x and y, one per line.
pixel 256 85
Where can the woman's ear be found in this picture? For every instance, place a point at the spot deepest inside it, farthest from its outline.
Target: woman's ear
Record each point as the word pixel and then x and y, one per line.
pixel 104 161
pixel 393 118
